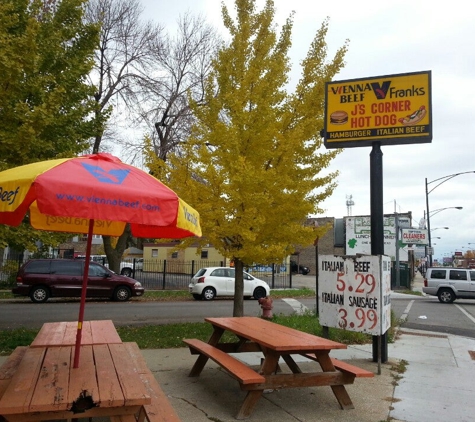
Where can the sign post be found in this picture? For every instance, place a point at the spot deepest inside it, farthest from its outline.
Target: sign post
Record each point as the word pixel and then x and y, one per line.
pixel 384 110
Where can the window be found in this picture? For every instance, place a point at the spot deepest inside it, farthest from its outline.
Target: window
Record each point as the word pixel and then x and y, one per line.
pixel 174 254
pixel 38 267
pixel 73 268
pixel 154 253
pixel 96 270
pixel 458 274
pixel 204 254
pixel 439 274
pixel 220 272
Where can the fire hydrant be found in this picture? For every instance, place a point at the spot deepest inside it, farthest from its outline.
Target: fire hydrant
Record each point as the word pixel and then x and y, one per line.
pixel 266 305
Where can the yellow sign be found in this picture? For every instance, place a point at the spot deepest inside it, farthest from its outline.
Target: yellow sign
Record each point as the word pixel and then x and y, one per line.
pixel 390 110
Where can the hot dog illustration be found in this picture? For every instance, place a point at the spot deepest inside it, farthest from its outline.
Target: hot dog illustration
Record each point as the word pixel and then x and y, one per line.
pixel 415 117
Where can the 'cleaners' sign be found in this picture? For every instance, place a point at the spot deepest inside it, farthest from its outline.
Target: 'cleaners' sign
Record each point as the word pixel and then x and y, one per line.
pixel 414 236
pixel 391 110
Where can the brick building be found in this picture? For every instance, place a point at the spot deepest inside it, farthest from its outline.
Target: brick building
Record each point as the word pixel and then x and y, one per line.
pixel 327 244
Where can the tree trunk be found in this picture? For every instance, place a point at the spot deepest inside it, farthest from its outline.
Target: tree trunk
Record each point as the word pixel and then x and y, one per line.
pixel 238 310
pixel 114 255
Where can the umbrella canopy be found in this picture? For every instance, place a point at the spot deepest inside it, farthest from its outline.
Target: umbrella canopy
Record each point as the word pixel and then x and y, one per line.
pixel 64 194
pixel 93 194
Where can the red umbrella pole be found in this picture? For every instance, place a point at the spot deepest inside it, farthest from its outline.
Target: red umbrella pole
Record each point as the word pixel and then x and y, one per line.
pixel 83 294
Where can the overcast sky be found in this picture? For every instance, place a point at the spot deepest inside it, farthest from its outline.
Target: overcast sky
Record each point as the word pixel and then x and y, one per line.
pixel 386 38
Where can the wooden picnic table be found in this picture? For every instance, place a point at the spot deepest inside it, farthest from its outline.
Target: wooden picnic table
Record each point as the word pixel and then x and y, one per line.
pixel 275 341
pixel 45 386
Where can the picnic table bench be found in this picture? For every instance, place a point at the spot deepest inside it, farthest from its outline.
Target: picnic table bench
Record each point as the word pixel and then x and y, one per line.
pixel 275 342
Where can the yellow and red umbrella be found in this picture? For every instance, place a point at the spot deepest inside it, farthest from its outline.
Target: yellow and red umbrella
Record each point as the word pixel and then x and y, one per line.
pixel 93 194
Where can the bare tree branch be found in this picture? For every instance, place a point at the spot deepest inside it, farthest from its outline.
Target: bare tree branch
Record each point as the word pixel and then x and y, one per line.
pixel 123 57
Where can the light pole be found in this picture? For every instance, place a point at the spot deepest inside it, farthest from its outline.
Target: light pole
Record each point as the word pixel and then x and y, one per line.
pixel 434 212
pixel 440 180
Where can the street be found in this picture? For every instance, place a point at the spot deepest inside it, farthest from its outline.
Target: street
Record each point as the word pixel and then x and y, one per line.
pixel 422 313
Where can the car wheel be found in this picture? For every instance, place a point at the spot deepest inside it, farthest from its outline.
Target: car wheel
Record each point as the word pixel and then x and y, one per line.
pixel 196 297
pixel 121 294
pixel 127 272
pixel 39 294
pixel 208 293
pixel 446 296
pixel 259 293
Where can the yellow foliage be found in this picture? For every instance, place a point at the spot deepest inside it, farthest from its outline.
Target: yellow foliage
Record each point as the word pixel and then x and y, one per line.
pixel 254 166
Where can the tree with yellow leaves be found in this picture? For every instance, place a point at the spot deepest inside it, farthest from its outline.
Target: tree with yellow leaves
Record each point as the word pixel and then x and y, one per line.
pixel 252 165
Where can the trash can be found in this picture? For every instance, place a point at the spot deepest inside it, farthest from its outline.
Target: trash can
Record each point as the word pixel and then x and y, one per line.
pixel 404 276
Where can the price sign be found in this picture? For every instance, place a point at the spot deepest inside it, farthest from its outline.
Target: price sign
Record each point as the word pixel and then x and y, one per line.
pixel 355 293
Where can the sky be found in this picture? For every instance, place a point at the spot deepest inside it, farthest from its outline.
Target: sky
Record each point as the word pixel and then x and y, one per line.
pixel 388 38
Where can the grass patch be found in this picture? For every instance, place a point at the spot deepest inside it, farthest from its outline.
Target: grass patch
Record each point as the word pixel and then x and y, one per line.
pixel 397 371
pixel 10 339
pixel 4 294
pixel 169 336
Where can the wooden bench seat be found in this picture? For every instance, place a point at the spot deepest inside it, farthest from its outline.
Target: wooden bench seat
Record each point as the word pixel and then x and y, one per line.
pixel 9 367
pixel 234 367
pixel 344 367
pixel 351 369
pixel 160 409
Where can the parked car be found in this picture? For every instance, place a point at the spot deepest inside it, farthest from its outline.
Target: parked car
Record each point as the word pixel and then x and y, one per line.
pixel 41 279
pixel 298 269
pixel 449 284
pixel 212 282
pixel 127 267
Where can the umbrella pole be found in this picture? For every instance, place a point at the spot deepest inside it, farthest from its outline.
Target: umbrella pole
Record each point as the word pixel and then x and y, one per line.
pixel 83 293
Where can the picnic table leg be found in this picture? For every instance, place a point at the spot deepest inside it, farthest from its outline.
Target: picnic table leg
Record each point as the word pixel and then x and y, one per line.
pixel 338 390
pixel 268 367
pixel 202 359
pixel 291 364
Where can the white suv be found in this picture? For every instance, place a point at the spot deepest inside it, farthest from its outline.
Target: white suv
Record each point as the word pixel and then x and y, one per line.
pixel 211 282
pixel 449 284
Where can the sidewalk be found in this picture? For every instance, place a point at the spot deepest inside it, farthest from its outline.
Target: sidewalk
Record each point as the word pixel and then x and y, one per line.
pixel 437 385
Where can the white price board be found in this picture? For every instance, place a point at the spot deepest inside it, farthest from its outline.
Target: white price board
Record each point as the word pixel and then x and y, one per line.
pixel 355 293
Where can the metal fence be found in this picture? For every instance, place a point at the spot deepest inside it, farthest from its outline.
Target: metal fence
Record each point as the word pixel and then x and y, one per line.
pixel 8 271
pixel 176 275
pixel 168 274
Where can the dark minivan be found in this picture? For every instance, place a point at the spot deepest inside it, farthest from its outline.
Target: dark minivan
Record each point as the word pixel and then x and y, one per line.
pixel 41 279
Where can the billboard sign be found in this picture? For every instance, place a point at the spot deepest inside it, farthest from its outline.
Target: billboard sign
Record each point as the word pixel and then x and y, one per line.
pixel 358 235
pixel 390 110
pixel 355 293
pixel 414 236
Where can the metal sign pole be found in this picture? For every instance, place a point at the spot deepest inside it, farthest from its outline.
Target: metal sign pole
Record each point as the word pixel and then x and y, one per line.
pixel 380 345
